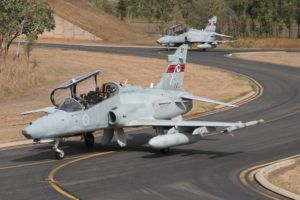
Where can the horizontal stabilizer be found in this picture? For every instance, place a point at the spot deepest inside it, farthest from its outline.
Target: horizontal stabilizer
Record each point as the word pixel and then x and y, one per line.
pixel 222 35
pixel 217 42
pixel 196 98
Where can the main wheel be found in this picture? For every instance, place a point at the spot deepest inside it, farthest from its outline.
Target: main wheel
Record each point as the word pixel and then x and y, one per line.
pixel 59 154
pixel 164 151
pixel 89 140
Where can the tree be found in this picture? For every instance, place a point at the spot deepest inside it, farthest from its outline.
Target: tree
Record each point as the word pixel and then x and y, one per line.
pixel 23 17
pixel 122 9
pixel 298 18
pixel 289 13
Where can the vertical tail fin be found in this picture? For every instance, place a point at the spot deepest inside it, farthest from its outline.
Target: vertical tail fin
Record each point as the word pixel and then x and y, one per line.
pixel 174 75
pixel 211 26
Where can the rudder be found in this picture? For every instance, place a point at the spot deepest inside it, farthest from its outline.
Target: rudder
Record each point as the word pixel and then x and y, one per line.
pixel 174 75
pixel 211 26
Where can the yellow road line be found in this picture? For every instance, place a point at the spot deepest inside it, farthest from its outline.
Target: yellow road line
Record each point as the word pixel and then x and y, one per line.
pixel 55 185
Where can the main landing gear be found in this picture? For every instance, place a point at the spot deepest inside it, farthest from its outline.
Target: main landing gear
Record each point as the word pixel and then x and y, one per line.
pixel 164 151
pixel 59 154
pixel 89 140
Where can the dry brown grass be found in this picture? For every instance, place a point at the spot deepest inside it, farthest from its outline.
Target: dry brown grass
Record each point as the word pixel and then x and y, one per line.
pixel 99 23
pixel 287 178
pixel 282 58
pixel 17 75
pixel 264 43
pixel 57 66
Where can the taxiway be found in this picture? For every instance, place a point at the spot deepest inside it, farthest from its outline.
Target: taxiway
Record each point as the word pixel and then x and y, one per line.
pixel 208 169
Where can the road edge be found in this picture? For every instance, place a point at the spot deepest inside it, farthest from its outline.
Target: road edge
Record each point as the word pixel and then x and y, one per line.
pixel 261 175
pixel 248 178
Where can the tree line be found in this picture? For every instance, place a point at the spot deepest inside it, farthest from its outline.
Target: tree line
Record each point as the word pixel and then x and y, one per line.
pixel 244 18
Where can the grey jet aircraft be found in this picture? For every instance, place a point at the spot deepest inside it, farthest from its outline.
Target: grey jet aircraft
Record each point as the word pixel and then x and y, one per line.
pixel 117 106
pixel 206 39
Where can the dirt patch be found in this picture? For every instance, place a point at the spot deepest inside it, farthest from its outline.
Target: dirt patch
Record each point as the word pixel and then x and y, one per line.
pixel 56 66
pixel 287 178
pixel 281 58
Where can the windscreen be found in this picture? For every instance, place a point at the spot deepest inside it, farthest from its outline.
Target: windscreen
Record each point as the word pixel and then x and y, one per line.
pixel 76 91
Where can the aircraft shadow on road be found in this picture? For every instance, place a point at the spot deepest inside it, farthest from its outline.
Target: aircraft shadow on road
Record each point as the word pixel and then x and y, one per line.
pixel 136 143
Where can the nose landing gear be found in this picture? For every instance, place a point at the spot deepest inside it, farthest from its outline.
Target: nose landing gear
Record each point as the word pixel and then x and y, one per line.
pixel 59 154
pixel 89 141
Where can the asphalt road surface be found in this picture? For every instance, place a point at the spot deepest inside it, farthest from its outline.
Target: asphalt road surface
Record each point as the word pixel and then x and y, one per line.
pixel 206 170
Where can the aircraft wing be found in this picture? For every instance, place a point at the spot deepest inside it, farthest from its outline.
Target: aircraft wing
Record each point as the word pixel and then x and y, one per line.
pixel 231 125
pixel 155 122
pixel 189 96
pixel 45 110
pixel 222 35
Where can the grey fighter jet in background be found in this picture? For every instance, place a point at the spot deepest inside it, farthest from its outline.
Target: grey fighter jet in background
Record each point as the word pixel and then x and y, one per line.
pixel 206 39
pixel 116 106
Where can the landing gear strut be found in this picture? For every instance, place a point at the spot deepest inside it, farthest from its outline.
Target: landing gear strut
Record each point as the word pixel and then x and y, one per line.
pixel 59 154
pixel 89 140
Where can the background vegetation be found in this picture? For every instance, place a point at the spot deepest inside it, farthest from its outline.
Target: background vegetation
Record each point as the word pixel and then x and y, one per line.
pixel 27 19
pixel 246 18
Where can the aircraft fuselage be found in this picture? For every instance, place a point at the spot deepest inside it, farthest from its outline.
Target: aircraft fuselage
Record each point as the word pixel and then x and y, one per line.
pixel 132 102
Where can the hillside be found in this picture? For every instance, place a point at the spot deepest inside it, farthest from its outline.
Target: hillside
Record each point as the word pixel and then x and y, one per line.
pixel 97 22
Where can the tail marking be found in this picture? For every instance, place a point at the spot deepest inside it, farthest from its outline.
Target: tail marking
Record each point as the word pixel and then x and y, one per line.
pixel 176 68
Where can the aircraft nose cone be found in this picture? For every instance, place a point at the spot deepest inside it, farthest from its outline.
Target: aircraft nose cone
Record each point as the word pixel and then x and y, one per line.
pixel 161 40
pixel 26 134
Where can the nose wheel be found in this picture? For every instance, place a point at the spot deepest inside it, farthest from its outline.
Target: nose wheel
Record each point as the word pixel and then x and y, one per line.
pixel 58 153
pixel 89 140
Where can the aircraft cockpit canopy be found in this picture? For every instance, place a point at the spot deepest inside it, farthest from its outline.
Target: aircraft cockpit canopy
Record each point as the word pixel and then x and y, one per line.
pixel 175 30
pixel 82 92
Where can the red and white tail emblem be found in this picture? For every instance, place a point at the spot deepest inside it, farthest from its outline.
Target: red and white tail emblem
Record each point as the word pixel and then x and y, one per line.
pixel 176 68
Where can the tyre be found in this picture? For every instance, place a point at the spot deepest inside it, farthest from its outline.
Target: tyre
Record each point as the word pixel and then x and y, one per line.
pixel 164 151
pixel 89 140
pixel 59 154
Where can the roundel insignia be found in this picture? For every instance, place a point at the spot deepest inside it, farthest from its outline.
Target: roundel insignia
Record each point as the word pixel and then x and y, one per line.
pixel 85 120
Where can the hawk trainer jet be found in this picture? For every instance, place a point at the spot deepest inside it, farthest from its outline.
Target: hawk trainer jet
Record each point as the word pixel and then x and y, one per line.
pixel 115 106
pixel 206 39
